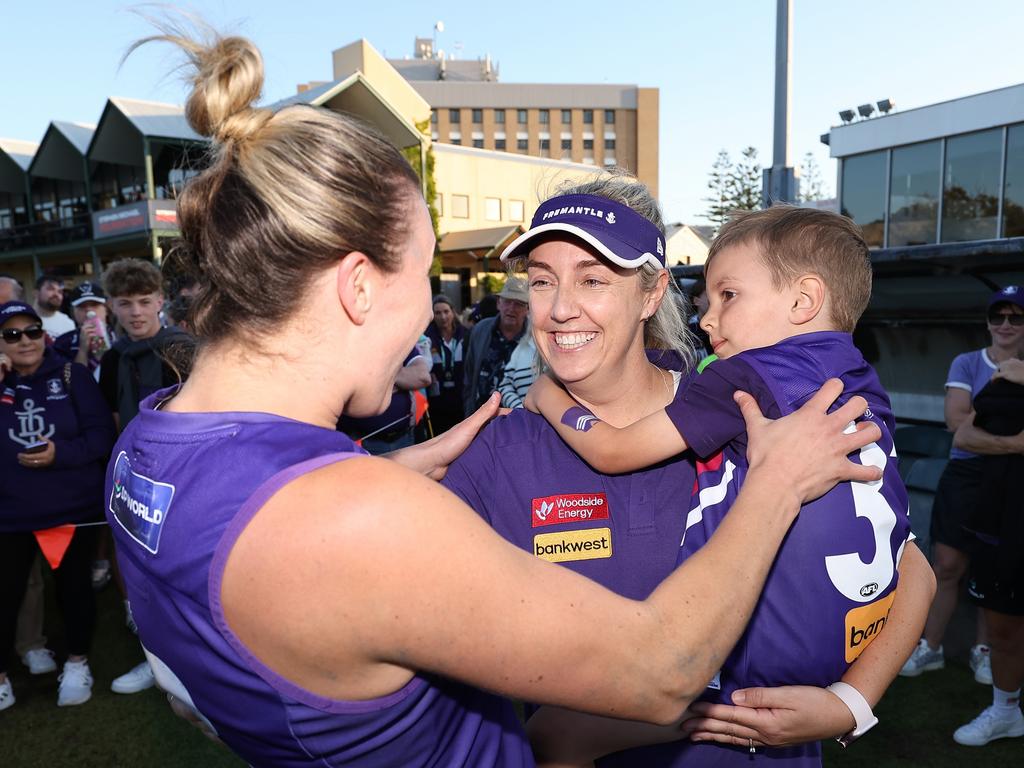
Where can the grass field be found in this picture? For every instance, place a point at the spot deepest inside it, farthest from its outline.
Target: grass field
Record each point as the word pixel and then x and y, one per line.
pixel 917 716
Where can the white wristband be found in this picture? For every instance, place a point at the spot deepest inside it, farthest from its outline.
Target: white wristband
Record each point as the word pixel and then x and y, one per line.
pixel 860 709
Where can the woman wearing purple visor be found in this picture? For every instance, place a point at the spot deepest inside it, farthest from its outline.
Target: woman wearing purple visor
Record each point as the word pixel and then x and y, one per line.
pixel 311 605
pixel 602 308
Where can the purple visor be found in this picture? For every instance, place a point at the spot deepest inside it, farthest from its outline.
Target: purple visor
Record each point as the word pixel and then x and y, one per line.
pixel 619 233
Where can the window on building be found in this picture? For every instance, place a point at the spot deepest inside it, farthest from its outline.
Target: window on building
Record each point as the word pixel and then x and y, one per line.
pixel 433 116
pixel 521 116
pixel 863 195
pixel 566 143
pixel 499 144
pixel 1013 189
pixel 588 145
pixel 516 210
pixel 544 115
pixel 499 117
pixel 609 161
pixel 522 144
pixel 970 199
pixel 914 194
pixel 566 116
pixel 609 116
pixel 478 116
pixel 454 115
pixel 460 206
pixel 588 117
pixel 478 143
pixel 609 143
pixel 456 142
pixel 545 147
pixel 439 203
pixel 492 209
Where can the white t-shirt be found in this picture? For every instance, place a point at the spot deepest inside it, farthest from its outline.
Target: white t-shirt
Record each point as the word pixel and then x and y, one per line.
pixel 56 324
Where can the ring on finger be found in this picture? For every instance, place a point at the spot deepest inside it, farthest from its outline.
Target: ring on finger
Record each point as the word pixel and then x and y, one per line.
pixel 750 744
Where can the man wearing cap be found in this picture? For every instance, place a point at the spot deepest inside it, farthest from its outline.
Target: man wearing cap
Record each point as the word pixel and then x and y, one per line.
pixel 491 343
pixel 49 298
pixel 86 344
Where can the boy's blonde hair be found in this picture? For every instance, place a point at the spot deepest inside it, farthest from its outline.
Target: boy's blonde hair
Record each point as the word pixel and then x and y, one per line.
pixel 796 241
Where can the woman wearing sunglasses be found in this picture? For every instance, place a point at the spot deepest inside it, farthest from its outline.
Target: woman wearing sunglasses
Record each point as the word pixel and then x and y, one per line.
pixel 56 433
pixel 961 483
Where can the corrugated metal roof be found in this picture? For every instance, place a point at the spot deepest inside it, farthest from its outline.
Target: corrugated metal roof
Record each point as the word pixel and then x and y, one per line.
pixel 21 152
pixel 477 239
pixel 155 119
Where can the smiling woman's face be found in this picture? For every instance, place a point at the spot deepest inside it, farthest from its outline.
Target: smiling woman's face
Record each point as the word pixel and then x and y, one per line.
pixel 587 314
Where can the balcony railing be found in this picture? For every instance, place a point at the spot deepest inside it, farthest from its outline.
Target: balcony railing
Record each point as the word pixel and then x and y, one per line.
pixel 45 233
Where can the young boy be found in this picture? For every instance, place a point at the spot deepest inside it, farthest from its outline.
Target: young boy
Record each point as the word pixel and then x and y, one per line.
pixel 143 360
pixel 785 288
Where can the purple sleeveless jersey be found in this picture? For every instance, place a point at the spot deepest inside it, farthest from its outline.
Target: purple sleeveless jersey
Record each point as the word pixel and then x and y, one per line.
pixel 829 592
pixel 180 490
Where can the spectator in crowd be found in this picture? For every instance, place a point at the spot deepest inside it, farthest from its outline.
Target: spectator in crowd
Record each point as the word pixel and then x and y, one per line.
pixel 446 348
pixel 959 487
pixel 520 371
pixel 87 344
pixel 56 434
pixel 10 289
pixel 996 571
pixel 49 300
pixel 385 624
pixel 491 342
pixel 699 300
pixel 392 429
pixel 146 358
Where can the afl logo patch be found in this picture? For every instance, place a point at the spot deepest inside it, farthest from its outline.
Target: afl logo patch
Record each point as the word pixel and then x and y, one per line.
pixel 868 589
pixel 53 386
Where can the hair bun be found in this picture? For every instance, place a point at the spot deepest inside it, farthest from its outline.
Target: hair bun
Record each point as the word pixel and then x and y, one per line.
pixel 228 79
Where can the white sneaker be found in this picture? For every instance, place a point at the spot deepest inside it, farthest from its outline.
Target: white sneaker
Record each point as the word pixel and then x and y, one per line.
pixel 100 574
pixel 39 661
pixel 138 679
pixel 923 659
pixel 988 726
pixel 6 694
pixel 981 664
pixel 75 684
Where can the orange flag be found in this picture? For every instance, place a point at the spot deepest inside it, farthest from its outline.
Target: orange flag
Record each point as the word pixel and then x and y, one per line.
pixel 421 404
pixel 54 543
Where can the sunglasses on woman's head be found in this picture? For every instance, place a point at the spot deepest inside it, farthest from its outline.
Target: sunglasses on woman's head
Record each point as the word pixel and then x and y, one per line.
pixel 13 335
pixel 995 319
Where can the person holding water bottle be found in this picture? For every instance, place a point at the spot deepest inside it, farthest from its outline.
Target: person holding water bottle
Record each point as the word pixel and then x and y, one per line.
pixel 92 338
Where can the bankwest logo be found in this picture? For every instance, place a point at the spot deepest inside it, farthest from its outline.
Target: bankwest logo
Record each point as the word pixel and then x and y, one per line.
pixel 565 546
pixel 569 508
pixel 864 623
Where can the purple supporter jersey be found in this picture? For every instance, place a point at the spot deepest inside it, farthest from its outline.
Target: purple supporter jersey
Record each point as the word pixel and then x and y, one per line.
pixel 828 594
pixel 622 531
pixel 180 490
pixel 971 372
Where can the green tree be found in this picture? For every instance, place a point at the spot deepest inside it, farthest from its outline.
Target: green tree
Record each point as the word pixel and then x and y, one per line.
pixel 412 154
pixel 719 199
pixel 745 182
pixel 812 186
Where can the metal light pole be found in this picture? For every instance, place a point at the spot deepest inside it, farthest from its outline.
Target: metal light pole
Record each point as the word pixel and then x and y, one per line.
pixel 781 183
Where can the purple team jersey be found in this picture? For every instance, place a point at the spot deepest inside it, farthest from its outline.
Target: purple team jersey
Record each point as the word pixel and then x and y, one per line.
pixel 828 594
pixel 622 531
pixel 180 490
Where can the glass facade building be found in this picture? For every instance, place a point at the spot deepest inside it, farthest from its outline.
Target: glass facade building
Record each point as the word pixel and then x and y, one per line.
pixel 965 187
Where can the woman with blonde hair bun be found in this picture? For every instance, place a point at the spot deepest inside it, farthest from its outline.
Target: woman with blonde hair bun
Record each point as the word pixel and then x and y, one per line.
pixel 309 604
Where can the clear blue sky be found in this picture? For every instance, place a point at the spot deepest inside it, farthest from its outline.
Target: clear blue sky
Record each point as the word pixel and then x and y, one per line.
pixel 713 61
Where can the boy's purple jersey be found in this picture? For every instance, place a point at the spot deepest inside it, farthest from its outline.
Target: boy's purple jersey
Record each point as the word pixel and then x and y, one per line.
pixel 180 490
pixel 830 589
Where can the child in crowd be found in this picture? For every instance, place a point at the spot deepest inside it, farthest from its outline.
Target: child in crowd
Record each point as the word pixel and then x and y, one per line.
pixel 785 288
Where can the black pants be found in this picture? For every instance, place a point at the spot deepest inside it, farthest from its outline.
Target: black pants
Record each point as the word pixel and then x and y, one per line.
pixel 74 589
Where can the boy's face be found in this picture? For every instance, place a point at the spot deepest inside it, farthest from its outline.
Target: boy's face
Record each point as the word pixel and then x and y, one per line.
pixel 745 310
pixel 138 314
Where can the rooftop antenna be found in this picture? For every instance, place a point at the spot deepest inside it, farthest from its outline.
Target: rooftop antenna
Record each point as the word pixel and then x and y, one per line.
pixel 438 29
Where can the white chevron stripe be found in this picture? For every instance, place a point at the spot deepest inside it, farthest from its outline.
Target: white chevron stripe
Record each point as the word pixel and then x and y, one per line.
pixel 709 497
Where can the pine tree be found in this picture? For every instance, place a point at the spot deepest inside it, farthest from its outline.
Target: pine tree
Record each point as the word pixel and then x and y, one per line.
pixel 745 182
pixel 812 187
pixel 719 183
